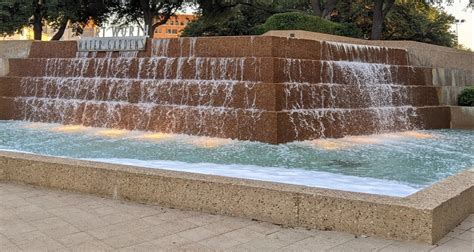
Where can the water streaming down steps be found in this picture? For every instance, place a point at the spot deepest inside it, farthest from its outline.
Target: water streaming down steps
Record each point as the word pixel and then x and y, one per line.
pixel 386 101
pixel 180 86
pixel 159 81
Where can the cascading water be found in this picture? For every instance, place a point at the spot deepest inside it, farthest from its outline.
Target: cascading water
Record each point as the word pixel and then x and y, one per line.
pixel 236 90
pixel 356 82
pixel 180 92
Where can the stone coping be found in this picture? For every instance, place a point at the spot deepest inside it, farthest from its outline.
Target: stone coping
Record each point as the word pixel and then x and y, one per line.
pixel 15 48
pixel 462 117
pixel 424 216
pixel 420 54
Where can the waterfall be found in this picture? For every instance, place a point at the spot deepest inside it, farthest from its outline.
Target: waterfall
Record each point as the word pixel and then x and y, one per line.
pixel 161 92
pixel 345 90
pixel 233 88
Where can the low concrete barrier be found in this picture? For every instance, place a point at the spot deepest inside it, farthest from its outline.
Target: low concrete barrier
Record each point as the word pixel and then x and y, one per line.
pixel 424 216
pixel 12 49
pixel 462 117
pixel 4 67
pixel 420 54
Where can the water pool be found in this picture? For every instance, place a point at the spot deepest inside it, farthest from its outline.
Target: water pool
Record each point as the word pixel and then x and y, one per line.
pixel 396 164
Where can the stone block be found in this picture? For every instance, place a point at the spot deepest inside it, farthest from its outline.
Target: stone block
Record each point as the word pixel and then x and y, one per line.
pixel 462 117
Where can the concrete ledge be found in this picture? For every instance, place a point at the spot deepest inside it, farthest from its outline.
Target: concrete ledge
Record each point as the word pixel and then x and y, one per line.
pixel 425 216
pixel 452 77
pixel 15 49
pixel 4 67
pixel 448 95
pixel 420 54
pixel 462 117
pixel 12 49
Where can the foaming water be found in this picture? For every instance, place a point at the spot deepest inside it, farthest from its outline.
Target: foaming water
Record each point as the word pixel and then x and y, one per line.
pixel 395 164
pixel 354 81
pixel 93 90
pixel 375 88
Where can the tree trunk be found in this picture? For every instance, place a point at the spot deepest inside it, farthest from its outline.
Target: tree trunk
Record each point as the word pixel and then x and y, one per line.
pixel 148 17
pixel 59 34
pixel 377 21
pixel 328 8
pixel 37 20
pixel 149 25
pixel 316 8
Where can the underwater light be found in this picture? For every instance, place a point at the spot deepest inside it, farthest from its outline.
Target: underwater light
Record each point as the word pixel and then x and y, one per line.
pixel 69 128
pixel 112 132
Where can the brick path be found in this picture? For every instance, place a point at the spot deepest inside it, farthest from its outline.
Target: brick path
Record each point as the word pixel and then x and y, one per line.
pixel 40 219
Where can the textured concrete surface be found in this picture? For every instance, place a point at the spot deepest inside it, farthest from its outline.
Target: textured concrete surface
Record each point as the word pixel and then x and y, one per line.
pixel 452 77
pixel 290 79
pixel 4 67
pixel 420 54
pixel 448 95
pixel 15 48
pixel 35 219
pixel 424 216
pixel 462 117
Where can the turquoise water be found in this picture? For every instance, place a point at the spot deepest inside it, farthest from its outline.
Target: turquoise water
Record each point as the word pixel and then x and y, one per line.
pixel 394 164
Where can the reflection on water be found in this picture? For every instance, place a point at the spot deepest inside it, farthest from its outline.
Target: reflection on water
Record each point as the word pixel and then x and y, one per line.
pixel 69 128
pixel 210 142
pixel 114 133
pixel 415 158
pixel 155 136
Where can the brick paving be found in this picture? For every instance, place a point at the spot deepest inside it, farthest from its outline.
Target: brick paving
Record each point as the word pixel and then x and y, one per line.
pixel 36 219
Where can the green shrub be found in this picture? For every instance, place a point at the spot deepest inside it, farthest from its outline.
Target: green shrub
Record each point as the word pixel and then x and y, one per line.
pixel 306 22
pixel 466 98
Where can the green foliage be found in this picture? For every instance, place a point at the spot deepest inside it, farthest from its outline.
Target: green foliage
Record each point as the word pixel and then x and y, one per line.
pixel 411 20
pixel 306 22
pixel 466 98
pixel 78 13
pixel 150 13
pixel 14 15
pixel 241 20
pixel 407 20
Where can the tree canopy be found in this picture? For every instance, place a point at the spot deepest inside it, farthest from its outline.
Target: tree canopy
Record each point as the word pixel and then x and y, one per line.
pixel 148 14
pixel 419 20
pixel 17 14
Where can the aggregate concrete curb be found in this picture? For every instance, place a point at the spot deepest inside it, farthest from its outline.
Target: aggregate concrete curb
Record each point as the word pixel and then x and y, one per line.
pixel 424 216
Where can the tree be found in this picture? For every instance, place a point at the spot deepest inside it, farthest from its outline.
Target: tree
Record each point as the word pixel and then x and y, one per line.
pixel 323 8
pixel 238 17
pixel 16 14
pixel 76 14
pixel 380 11
pixel 152 13
pixel 226 21
pixel 407 20
pixel 12 16
pixel 418 21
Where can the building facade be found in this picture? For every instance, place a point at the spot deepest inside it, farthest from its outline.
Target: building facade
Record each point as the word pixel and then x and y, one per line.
pixel 174 27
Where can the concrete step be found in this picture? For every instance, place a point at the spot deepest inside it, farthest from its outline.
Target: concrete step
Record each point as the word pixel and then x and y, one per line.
pixel 231 94
pixel 239 46
pixel 256 125
pixel 268 70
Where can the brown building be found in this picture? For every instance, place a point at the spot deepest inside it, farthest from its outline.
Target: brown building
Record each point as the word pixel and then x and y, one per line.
pixel 174 26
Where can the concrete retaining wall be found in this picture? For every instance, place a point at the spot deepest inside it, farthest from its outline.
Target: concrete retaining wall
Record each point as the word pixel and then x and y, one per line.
pixel 4 67
pixel 420 54
pixel 424 216
pixel 462 117
pixel 10 50
pixel 452 69
pixel 451 83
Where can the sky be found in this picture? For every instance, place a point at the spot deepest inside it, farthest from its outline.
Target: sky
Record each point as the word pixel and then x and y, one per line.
pixel 466 29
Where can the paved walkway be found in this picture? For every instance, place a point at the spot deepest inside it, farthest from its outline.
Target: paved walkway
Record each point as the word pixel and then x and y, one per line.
pixel 39 219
